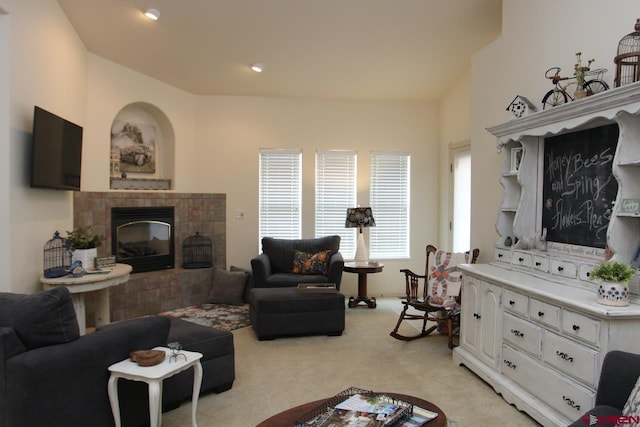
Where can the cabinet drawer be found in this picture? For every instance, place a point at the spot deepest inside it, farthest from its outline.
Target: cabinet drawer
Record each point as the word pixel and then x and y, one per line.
pixel 522 334
pixel 544 313
pixel 570 357
pixel 580 326
pixel 541 263
pixel 585 271
pixel 515 302
pixel 563 268
pixel 521 258
pixel 503 255
pixel 565 396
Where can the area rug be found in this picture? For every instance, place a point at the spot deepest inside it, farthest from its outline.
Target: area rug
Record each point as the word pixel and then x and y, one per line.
pixel 218 316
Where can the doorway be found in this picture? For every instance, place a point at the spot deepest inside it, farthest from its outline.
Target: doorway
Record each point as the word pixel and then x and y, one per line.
pixel 460 189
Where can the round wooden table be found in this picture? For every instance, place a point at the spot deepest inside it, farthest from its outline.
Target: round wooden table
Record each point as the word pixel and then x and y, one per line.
pixel 362 270
pixel 288 418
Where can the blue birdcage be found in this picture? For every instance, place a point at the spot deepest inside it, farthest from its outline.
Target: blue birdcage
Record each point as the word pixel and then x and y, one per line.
pixel 57 257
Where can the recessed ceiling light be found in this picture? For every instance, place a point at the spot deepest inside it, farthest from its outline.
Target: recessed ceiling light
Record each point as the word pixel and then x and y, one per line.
pixel 153 14
pixel 257 67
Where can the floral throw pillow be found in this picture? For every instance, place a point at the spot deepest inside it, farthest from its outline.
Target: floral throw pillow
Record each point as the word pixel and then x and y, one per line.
pixel 632 407
pixel 306 263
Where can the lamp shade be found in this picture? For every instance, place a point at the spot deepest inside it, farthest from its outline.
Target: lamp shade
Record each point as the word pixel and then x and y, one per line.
pixel 359 217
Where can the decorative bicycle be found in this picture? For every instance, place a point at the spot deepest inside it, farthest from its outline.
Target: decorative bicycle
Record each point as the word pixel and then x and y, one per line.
pixel 559 95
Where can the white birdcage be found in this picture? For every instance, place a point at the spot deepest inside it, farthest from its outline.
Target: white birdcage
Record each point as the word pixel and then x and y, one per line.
pixel 628 58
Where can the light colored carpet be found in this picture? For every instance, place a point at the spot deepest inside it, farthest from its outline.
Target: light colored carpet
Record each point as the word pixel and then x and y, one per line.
pixel 272 376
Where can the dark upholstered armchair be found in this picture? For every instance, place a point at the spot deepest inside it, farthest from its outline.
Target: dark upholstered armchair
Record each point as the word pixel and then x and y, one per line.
pixel 274 267
pixel 620 371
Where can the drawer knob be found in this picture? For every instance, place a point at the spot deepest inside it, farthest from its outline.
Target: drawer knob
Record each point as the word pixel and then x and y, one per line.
pixel 576 328
pixel 476 315
pixel 564 356
pixel 571 402
pixel 517 333
pixel 510 364
pixel 512 302
pixel 538 263
pixel 520 259
pixel 560 268
pixel 588 274
pixel 499 255
pixel 541 314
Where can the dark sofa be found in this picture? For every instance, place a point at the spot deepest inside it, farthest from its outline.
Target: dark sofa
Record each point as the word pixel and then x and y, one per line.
pixel 51 376
pixel 273 268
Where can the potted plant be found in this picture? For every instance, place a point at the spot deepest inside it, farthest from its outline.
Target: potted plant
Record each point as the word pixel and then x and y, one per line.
pixel 613 278
pixel 83 246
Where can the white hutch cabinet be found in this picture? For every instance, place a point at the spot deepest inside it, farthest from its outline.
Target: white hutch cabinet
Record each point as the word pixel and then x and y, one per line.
pixel 531 327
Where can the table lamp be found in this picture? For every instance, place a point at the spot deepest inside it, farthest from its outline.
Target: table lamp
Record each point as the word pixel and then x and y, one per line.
pixel 360 217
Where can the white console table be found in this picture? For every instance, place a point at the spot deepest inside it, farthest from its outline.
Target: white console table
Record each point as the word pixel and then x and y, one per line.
pixel 95 282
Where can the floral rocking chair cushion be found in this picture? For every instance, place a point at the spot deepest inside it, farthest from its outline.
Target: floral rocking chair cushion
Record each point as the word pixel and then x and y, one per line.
pixel 444 279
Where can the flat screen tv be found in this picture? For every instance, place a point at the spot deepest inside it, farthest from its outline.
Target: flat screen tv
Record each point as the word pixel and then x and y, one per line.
pixel 57 152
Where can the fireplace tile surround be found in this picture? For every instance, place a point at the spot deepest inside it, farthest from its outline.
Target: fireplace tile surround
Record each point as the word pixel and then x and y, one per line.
pixel 153 292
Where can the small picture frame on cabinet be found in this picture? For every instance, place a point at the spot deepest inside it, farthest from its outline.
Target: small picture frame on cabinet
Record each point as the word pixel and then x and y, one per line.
pixel 630 206
pixel 516 159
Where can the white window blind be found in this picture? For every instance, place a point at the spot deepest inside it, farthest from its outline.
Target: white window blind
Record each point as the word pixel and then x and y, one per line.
pixel 389 193
pixel 280 194
pixel 335 192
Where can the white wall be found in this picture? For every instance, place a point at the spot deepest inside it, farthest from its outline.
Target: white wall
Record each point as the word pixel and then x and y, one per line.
pixel 47 65
pixel 217 138
pixel 231 130
pixel 112 87
pixel 535 36
pixel 216 141
pixel 455 128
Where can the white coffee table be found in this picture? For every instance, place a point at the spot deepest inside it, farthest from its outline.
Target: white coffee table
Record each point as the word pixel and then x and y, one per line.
pixel 154 375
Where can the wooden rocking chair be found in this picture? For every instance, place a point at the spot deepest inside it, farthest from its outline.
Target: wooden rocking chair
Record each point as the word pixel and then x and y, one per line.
pixel 440 297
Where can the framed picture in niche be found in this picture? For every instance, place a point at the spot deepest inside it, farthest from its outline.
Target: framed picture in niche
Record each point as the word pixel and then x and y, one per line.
pixel 136 145
pixel 516 159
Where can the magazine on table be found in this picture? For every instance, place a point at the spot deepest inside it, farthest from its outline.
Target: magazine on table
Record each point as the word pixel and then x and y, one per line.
pixel 361 411
pixel 419 418
pixel 317 288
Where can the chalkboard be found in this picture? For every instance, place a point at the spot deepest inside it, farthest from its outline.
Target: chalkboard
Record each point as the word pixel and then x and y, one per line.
pixel 577 186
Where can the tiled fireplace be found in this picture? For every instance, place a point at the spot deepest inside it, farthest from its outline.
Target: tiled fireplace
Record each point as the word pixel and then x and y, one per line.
pixel 156 291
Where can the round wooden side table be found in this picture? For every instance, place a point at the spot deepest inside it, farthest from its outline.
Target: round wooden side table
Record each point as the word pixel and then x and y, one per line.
pixel 362 270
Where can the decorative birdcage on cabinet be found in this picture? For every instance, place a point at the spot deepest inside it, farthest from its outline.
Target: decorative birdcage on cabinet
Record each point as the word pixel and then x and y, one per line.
pixel 628 58
pixel 197 252
pixel 57 257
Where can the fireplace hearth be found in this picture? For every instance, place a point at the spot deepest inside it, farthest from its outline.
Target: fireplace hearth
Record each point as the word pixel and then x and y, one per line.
pixel 143 237
pixel 148 293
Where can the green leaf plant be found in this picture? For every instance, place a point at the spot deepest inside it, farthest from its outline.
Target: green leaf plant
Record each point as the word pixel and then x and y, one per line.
pixel 613 271
pixel 80 238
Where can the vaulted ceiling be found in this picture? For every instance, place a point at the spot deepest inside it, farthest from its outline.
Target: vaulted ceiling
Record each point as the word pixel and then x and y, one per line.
pixel 340 49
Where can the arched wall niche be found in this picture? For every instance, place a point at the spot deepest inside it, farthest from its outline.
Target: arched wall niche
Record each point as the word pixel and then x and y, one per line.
pixel 158 137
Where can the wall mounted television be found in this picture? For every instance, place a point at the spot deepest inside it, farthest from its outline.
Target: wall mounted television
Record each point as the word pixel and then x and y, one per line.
pixel 57 152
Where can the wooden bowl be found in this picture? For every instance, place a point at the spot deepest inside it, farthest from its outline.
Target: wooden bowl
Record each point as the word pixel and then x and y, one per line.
pixel 147 357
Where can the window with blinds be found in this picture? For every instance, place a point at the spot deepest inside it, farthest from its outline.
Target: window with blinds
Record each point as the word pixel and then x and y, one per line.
pixel 280 194
pixel 389 193
pixel 336 175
